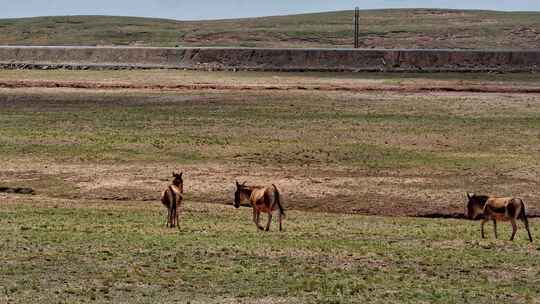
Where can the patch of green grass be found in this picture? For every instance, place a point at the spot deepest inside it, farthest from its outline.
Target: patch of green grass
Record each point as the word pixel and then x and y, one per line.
pixel 270 128
pixel 106 252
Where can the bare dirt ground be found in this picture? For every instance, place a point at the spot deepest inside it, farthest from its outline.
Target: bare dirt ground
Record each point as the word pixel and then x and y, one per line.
pixel 336 192
pixel 341 190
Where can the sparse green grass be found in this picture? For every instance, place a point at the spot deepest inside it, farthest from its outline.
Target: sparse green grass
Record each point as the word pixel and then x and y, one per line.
pixel 99 252
pixel 399 131
pixel 400 28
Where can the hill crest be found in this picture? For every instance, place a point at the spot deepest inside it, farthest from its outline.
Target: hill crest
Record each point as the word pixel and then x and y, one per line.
pixel 388 28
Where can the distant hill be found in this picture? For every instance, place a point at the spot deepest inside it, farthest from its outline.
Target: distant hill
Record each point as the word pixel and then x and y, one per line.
pixel 398 28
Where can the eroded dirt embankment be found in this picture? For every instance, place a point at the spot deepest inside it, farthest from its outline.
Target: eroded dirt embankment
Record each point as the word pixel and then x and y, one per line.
pixel 259 59
pixel 413 88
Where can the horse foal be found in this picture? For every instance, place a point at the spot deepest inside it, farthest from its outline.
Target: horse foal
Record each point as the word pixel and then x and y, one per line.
pixel 171 198
pixel 262 199
pixel 498 209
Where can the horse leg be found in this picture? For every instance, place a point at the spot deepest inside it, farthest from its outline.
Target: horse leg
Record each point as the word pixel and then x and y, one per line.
pixel 173 219
pixel 269 221
pixel 259 220
pixel 482 227
pixel 256 219
pixel 526 222
pixel 495 227
pixel 280 218
pixel 514 228
pixel 174 214
pixel 177 219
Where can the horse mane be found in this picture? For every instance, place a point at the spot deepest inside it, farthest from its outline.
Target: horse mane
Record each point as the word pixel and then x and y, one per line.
pixel 482 199
pixel 251 188
pixel 245 189
pixel 255 187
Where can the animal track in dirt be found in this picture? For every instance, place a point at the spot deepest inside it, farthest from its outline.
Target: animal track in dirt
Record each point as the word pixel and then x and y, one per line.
pixel 29 191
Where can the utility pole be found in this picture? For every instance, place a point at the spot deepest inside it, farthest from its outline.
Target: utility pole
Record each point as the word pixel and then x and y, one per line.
pixel 356 27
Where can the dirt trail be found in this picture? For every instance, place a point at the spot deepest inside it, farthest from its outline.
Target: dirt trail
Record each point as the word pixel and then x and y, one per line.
pixel 411 88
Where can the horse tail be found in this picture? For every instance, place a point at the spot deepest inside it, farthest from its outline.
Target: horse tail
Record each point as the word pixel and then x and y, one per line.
pixel 278 200
pixel 172 202
pixel 523 217
pixel 522 213
pixel 171 196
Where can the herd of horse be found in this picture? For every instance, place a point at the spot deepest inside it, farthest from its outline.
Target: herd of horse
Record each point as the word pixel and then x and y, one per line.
pixel 268 199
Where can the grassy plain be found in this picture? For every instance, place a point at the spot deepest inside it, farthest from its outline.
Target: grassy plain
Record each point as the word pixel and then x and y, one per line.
pixel 98 159
pixel 399 28
pixel 60 251
pixel 373 152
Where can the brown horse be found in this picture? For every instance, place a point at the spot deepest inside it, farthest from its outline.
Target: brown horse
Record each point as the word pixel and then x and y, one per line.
pixel 497 208
pixel 171 198
pixel 262 199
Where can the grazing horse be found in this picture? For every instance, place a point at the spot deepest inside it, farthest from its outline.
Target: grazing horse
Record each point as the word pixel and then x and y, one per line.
pixel 171 198
pixel 498 208
pixel 262 199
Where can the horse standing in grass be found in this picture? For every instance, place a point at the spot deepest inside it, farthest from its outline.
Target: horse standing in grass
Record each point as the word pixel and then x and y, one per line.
pixel 498 208
pixel 171 198
pixel 262 199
